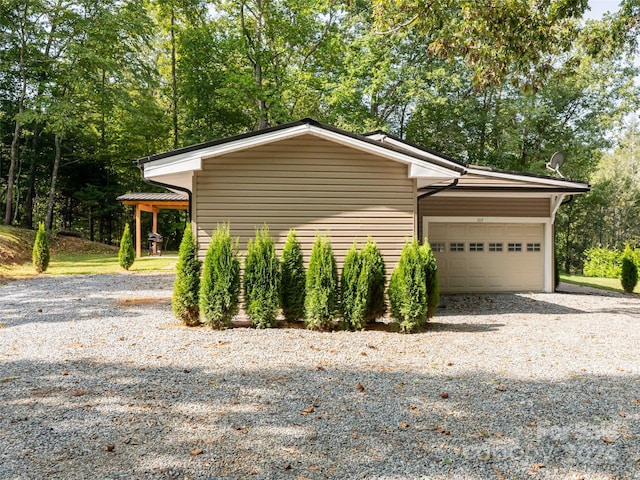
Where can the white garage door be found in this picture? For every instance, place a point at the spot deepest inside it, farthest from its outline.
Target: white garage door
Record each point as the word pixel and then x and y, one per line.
pixel 488 257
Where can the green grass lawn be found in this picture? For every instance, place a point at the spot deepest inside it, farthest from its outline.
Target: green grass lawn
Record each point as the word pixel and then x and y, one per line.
pixel 93 263
pixel 596 282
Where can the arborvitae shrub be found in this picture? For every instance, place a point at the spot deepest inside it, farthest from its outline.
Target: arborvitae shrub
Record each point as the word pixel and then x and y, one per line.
pixel 321 285
pixel 126 254
pixel 262 280
pixel 556 272
pixel 40 254
pixel 186 287
pixel 408 288
pixel 629 273
pixel 293 279
pixel 373 276
pixel 220 283
pixel 431 277
pixel 352 312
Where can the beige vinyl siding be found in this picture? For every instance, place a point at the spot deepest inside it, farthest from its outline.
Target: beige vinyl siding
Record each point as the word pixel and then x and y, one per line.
pixel 312 185
pixel 484 206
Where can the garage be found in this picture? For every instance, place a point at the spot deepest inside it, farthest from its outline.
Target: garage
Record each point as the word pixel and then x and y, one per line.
pixel 488 257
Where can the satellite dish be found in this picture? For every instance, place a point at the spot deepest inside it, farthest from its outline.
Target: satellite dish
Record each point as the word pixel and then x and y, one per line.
pixel 557 159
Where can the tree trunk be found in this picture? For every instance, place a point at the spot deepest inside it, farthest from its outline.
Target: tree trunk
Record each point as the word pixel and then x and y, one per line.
pixel 18 129
pixel 12 168
pixel 27 218
pixel 52 190
pixel 174 79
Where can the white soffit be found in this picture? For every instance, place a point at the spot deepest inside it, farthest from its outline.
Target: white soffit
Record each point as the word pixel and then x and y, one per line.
pixel 190 161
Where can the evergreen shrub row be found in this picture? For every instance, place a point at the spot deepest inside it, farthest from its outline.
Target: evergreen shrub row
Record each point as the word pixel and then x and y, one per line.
pixel 271 284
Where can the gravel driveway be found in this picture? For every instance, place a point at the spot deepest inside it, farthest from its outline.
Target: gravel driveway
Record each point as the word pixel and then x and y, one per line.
pixel 98 381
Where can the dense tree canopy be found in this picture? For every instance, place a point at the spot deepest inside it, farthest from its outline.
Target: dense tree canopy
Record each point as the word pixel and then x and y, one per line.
pixel 87 87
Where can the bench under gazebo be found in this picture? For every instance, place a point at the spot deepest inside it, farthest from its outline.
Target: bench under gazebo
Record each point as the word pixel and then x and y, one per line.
pixel 152 202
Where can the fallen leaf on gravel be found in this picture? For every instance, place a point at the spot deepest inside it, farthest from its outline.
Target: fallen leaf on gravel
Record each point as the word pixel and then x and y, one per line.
pixel 320 367
pixel 628 436
pixel 623 415
pixel 196 451
pixel 64 372
pixel 501 388
pixel 499 435
pixel 242 429
pixel 536 467
pixel 39 310
pixel 404 424
pixel 444 395
pixel 354 435
pixel 372 347
pixel 607 440
pixel 307 411
pixel 360 387
pixel 110 448
pixel 635 400
pixel 532 424
pixel 450 364
pixel 441 430
pixel 315 469
pixel 8 379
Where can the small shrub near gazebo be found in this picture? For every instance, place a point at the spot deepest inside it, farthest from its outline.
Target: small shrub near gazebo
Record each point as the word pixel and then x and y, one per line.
pixel 293 279
pixel 629 271
pixel 262 280
pixel 40 255
pixel 127 253
pixel 220 282
pixel 186 287
pixel 321 300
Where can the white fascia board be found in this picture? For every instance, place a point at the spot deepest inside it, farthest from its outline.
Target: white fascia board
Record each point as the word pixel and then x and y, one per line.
pixel 190 161
pixel 182 163
pixel 526 178
pixel 422 167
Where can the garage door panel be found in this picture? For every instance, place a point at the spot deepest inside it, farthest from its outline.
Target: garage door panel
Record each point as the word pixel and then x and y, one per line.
pixel 492 267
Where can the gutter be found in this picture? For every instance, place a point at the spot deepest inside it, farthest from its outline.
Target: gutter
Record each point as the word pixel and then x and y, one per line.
pixel 167 186
pixel 428 194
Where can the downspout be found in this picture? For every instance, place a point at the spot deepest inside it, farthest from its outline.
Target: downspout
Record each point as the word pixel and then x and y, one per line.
pixel 170 187
pixel 428 194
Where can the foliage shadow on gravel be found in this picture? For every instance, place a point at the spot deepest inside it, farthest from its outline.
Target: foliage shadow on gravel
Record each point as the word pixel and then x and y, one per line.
pixel 498 304
pixel 84 419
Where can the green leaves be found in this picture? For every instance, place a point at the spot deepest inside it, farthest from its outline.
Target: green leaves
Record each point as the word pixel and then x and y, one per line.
pixel 127 253
pixel 41 254
pixel 293 279
pixel 321 302
pixel 220 283
pixel 186 287
pixel 262 280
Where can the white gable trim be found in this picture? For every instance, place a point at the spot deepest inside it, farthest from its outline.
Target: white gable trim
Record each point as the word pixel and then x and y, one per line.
pixel 526 178
pixel 190 161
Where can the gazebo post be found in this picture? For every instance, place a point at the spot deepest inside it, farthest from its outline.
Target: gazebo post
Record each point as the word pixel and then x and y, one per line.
pixel 155 211
pixel 138 232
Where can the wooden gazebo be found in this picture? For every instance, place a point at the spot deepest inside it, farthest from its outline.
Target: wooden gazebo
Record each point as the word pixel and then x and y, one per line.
pixel 152 202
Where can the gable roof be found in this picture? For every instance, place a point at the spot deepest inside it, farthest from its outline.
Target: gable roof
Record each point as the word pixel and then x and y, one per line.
pixel 271 134
pixel 434 168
